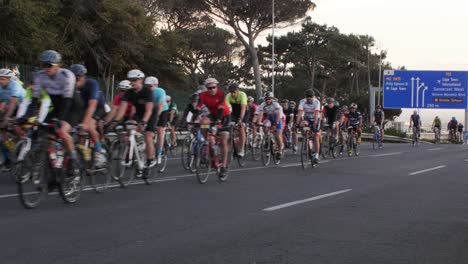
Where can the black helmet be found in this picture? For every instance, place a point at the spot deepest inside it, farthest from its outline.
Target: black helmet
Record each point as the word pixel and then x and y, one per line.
pixel 285 101
pixel 330 100
pixel 378 107
pixel 269 95
pixel 233 87
pixel 309 93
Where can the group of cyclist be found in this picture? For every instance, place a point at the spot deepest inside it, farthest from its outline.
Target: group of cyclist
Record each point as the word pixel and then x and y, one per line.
pixel 68 99
pixel 454 127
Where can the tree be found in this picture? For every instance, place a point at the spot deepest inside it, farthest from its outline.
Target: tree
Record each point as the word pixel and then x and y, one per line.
pixel 248 18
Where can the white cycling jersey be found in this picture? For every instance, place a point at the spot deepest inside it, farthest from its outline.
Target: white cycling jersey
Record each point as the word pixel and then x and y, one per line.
pixel 309 108
pixel 270 109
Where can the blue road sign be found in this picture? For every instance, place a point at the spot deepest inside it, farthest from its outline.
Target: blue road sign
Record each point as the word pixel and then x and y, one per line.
pixel 426 89
pixel 465 135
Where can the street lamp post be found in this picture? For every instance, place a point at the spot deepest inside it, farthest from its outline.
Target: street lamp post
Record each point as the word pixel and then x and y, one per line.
pixel 273 48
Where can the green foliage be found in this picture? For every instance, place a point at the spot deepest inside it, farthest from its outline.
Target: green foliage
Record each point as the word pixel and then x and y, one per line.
pixel 394 132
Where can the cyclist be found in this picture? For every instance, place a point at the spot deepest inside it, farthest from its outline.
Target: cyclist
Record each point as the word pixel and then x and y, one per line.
pixel 123 86
pixel 11 95
pixel 331 113
pixel 452 128
pixel 289 115
pixel 271 112
pixel 354 120
pixel 252 110
pixel 437 123
pixel 309 115
pixel 213 100
pixel 173 117
pixel 93 110
pixel 344 111
pixel 293 118
pixel 238 101
pixel 162 113
pixel 190 112
pixel 59 83
pixel 415 120
pixel 460 131
pixel 142 98
pixel 378 120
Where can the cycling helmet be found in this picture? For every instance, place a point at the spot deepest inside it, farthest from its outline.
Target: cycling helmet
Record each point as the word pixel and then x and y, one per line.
pixel 285 101
pixel 233 87
pixel 453 118
pixel 250 99
pixel 337 104
pixel 78 69
pixel 211 80
pixel 194 97
pixel 50 56
pixel 330 100
pixel 378 107
pixel 292 103
pixel 353 106
pixel 269 95
pixel 6 73
pixel 168 98
pixel 124 85
pixel 415 112
pixel 135 74
pixel 309 93
pixel 150 80
pixel 437 117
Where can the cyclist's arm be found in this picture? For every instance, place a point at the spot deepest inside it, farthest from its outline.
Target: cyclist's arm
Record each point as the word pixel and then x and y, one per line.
pixel 299 116
pixel 148 111
pixel 121 110
pixel 92 104
pixel 11 106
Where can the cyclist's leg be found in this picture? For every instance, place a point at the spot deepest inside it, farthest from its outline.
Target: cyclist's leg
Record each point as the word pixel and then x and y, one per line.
pixel 160 126
pixel 173 134
pixel 224 136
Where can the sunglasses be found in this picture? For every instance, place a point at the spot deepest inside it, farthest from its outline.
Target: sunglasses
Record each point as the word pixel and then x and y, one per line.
pixel 211 87
pixel 48 65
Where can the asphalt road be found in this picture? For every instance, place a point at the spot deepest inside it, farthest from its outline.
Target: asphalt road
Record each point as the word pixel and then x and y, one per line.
pixel 396 205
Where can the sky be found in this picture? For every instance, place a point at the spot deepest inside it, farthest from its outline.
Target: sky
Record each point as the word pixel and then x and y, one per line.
pixel 417 34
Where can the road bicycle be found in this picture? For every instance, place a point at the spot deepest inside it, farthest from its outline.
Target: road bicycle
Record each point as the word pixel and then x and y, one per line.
pixel 235 142
pixel 308 152
pixel 415 137
pixel 209 158
pixel 269 146
pixel 129 156
pixel 353 144
pixel 377 138
pixel 46 166
pixel 437 135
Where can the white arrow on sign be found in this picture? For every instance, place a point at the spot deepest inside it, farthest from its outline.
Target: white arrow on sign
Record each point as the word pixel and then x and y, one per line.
pixel 424 95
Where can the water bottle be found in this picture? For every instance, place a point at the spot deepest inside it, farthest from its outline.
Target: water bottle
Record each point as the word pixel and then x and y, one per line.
pixel 216 150
pixel 60 154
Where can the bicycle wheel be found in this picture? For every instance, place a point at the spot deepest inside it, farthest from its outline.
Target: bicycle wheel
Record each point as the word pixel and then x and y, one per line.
pixel 71 179
pixel 356 148
pixel 235 148
pixel 32 185
pixel 204 164
pixel 19 155
pixel 325 147
pixel 100 177
pixel 349 145
pixel 305 153
pixel 163 165
pixel 127 167
pixel 257 147
pixel 115 156
pixel 185 154
pixel 266 150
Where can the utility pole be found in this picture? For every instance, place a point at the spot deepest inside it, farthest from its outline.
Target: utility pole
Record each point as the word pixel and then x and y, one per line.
pixel 380 78
pixel 273 48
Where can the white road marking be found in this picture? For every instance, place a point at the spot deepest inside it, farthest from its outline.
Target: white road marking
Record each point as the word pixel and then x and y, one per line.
pixel 435 149
pixel 427 170
pixel 386 154
pixel 281 206
pixel 90 188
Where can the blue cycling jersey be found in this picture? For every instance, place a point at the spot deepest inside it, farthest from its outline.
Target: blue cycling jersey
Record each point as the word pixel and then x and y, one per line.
pixel 91 91
pixel 160 96
pixel 13 89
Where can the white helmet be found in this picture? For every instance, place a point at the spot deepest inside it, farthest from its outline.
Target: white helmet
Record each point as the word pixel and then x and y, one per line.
pixel 135 74
pixel 168 98
pixel 6 73
pixel 211 80
pixel 151 80
pixel 124 85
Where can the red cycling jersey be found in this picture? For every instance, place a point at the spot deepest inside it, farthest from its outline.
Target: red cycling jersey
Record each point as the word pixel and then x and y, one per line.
pixel 212 102
pixel 118 101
